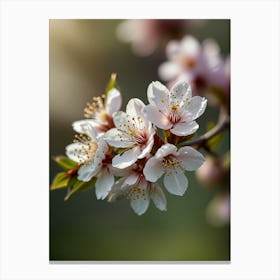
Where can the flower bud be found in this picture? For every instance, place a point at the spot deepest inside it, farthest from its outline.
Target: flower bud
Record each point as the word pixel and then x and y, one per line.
pixel 211 172
pixel 218 210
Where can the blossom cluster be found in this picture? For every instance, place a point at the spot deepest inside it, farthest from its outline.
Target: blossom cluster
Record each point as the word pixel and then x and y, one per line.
pixel 199 63
pixel 132 153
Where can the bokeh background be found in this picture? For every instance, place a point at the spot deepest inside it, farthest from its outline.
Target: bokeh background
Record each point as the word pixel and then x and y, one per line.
pixel 82 55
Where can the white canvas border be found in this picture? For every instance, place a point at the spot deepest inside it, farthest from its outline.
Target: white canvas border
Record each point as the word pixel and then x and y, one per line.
pixel 254 146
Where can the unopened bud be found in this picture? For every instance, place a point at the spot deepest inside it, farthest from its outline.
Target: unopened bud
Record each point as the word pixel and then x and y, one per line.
pixel 211 172
pixel 218 210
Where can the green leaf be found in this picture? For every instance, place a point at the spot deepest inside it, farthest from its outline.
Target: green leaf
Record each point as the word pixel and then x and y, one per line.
pixel 65 162
pixel 214 142
pixel 60 181
pixel 77 185
pixel 112 83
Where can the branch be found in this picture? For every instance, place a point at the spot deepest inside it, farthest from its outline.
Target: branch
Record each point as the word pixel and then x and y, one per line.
pixel 222 124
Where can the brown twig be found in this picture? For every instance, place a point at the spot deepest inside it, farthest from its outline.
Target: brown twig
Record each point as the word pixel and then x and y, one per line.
pixel 222 124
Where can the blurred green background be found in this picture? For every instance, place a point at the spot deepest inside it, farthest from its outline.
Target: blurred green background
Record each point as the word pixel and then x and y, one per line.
pixel 83 54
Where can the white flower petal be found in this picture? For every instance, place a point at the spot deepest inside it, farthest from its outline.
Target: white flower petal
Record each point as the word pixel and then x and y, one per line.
pixel 196 107
pixel 173 48
pixel 148 147
pixel 191 158
pixel 156 117
pixel 153 169
pixel 113 101
pixel 126 159
pixel 130 180
pixel 175 182
pixel 190 46
pixel 126 123
pixel 74 151
pixel 104 183
pixel 119 172
pixel 140 203
pixel 211 48
pixel 158 95
pixel 117 138
pixel 86 127
pixel 185 128
pixel 116 191
pixel 120 118
pixel 165 150
pixel 87 172
pixel 100 153
pixel 181 91
pixel 169 71
pixel 102 148
pixel 134 107
pixel 158 197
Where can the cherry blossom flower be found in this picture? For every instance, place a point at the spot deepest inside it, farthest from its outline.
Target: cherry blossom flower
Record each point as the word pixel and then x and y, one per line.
pixel 175 109
pixel 92 154
pixel 138 190
pixel 133 132
pixel 173 164
pixel 99 112
pixel 200 64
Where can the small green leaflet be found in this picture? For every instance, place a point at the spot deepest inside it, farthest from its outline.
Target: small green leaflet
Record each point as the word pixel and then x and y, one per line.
pixel 112 83
pixel 76 185
pixel 61 180
pixel 65 162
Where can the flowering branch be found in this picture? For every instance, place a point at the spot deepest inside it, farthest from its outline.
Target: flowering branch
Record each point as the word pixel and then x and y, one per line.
pixel 121 154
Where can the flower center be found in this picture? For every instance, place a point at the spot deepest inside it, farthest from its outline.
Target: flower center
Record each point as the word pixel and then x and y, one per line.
pixel 90 153
pixel 136 130
pixel 96 110
pixel 136 192
pixel 188 62
pixel 85 153
pixel 96 106
pixel 170 162
pixel 174 115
